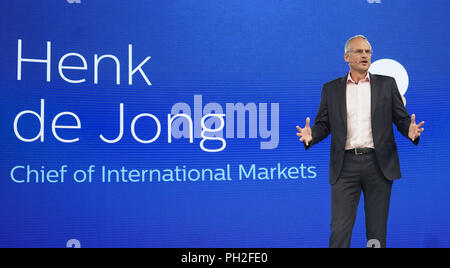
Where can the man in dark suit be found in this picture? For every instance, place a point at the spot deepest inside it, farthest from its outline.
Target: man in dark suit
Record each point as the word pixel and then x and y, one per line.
pixel 358 110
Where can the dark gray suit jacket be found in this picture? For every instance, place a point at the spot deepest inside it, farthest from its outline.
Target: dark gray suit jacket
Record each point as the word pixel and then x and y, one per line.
pixel 386 108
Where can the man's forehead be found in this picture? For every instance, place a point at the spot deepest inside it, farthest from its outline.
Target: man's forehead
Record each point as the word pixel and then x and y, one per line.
pixel 360 42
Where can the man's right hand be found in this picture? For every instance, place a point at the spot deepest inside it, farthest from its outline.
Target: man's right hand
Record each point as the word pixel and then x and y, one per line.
pixel 305 133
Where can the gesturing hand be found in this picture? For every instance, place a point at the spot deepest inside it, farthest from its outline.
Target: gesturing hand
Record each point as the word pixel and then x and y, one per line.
pixel 414 130
pixel 305 133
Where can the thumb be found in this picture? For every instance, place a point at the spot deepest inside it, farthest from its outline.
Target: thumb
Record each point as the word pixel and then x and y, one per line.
pixel 307 122
pixel 413 119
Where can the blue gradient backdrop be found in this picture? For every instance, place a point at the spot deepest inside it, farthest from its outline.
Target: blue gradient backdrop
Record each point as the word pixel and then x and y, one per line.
pixel 228 51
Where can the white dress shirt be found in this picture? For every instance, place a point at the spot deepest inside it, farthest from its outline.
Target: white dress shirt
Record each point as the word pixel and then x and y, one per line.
pixel 359 124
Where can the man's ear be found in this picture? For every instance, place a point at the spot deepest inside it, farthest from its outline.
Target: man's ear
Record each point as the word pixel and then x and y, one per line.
pixel 346 57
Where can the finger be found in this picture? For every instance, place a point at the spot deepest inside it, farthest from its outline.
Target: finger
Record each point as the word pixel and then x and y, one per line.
pixel 421 130
pixel 299 128
pixel 413 119
pixel 420 124
pixel 299 134
pixel 307 122
pixel 302 139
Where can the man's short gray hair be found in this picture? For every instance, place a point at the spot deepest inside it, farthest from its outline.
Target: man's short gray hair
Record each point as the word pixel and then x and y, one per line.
pixel 347 44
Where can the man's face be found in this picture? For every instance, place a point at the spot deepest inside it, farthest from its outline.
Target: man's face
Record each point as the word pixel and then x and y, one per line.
pixel 360 55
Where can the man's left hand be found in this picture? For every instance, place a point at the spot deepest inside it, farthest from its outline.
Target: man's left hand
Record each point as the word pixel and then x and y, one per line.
pixel 415 129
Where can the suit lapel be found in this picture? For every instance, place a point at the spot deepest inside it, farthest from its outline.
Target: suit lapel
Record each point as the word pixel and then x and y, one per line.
pixel 342 99
pixel 374 93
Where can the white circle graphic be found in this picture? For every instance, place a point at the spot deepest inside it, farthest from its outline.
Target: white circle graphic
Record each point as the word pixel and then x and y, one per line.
pixel 394 69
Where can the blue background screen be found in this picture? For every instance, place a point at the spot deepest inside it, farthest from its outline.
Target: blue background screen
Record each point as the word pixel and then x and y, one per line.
pixel 272 55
